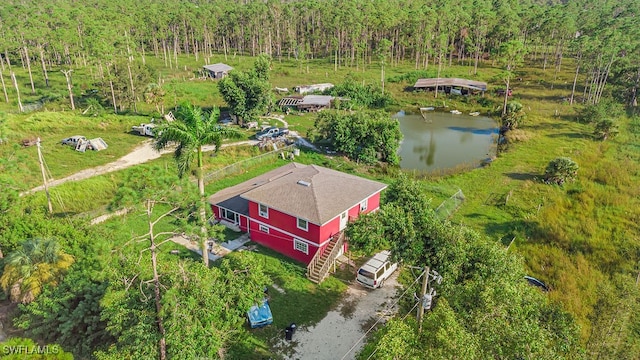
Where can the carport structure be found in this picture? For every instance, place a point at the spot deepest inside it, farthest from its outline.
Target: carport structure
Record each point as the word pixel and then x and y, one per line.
pixel 463 86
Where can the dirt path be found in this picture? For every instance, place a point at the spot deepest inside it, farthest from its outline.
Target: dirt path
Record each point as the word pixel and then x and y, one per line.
pixel 277 118
pixel 340 334
pixel 139 155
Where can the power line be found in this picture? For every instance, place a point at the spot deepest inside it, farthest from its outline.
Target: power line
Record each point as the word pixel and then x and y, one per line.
pixel 404 317
pixel 58 198
pixel 381 317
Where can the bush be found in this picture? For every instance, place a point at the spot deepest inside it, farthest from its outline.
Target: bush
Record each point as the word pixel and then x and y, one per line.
pixel 369 96
pixel 412 77
pixel 605 129
pixel 594 113
pixel 366 136
pixel 560 170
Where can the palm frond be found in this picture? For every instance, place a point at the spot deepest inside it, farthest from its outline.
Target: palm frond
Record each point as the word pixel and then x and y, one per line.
pixel 27 270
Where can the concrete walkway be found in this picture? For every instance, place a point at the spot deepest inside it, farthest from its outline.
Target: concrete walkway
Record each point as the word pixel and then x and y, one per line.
pixel 219 250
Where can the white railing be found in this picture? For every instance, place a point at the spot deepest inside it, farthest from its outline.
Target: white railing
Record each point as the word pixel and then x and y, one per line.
pixel 324 270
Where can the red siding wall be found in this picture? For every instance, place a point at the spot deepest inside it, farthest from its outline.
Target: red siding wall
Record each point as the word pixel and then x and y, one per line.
pixel 286 222
pixel 283 242
pixel 216 212
pixel 329 229
pixel 333 226
pixel 280 242
pixel 244 223
pixel 373 203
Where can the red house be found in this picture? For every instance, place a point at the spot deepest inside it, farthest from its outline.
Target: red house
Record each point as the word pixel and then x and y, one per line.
pixel 299 211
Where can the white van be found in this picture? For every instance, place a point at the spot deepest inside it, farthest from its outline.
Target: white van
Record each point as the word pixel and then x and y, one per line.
pixel 375 271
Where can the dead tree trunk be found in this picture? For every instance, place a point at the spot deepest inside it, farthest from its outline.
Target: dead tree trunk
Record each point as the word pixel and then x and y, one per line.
pixel 44 67
pixel 6 57
pixel 634 92
pixel 156 284
pixel 507 82
pixel 133 92
pixel 603 82
pixel 67 75
pixel 164 51
pixel 113 93
pixel 26 57
pixel 15 83
pixel 575 80
pixel 4 88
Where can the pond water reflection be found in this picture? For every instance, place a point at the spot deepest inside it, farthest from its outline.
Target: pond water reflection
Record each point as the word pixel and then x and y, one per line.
pixel 444 140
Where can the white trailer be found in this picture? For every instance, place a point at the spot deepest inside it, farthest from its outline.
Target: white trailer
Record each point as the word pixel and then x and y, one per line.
pixel 144 129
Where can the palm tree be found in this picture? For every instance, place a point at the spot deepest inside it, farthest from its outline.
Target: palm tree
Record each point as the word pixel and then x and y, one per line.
pixel 192 129
pixel 513 115
pixel 27 270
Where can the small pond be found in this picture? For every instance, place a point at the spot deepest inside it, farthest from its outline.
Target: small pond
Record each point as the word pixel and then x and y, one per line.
pixel 441 140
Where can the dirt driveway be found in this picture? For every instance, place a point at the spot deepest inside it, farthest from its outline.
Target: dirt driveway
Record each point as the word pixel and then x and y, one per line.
pixel 141 154
pixel 340 334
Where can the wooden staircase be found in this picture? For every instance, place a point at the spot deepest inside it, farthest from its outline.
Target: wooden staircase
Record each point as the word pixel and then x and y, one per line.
pixel 318 268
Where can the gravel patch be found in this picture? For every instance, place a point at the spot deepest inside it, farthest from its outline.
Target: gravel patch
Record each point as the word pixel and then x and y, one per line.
pixel 340 335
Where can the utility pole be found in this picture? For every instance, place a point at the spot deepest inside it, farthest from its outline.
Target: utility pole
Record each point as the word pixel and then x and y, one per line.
pixel 423 293
pixel 44 177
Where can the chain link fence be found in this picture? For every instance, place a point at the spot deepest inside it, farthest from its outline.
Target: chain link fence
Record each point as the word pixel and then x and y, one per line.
pixel 449 206
pixel 241 166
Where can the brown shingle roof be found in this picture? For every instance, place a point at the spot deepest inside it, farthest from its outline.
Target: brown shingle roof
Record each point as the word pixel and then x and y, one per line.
pixel 229 198
pixel 311 192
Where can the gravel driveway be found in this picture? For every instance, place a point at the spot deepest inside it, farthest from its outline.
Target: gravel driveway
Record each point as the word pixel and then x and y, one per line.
pixel 340 334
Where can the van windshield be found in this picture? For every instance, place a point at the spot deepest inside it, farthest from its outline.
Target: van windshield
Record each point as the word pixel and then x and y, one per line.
pixel 366 274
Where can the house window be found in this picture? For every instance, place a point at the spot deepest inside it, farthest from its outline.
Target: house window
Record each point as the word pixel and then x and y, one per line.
pixel 303 224
pixel 264 229
pixel 363 205
pixel 263 210
pixel 301 246
pixel 230 215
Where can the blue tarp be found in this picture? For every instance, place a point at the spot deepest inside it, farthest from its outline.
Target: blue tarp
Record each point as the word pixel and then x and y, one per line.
pixel 260 315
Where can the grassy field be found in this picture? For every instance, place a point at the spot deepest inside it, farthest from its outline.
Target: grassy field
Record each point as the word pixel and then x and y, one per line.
pixel 571 237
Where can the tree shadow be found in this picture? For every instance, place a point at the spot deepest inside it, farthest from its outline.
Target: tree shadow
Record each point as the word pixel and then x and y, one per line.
pixel 508 231
pixel 569 117
pixel 522 176
pixel 571 135
pixel 64 214
pixel 549 98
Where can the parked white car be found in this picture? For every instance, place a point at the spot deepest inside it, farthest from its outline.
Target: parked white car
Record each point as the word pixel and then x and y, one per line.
pixel 73 140
pixel 376 270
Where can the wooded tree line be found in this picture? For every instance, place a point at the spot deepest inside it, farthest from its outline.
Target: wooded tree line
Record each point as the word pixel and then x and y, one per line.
pixel 602 36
